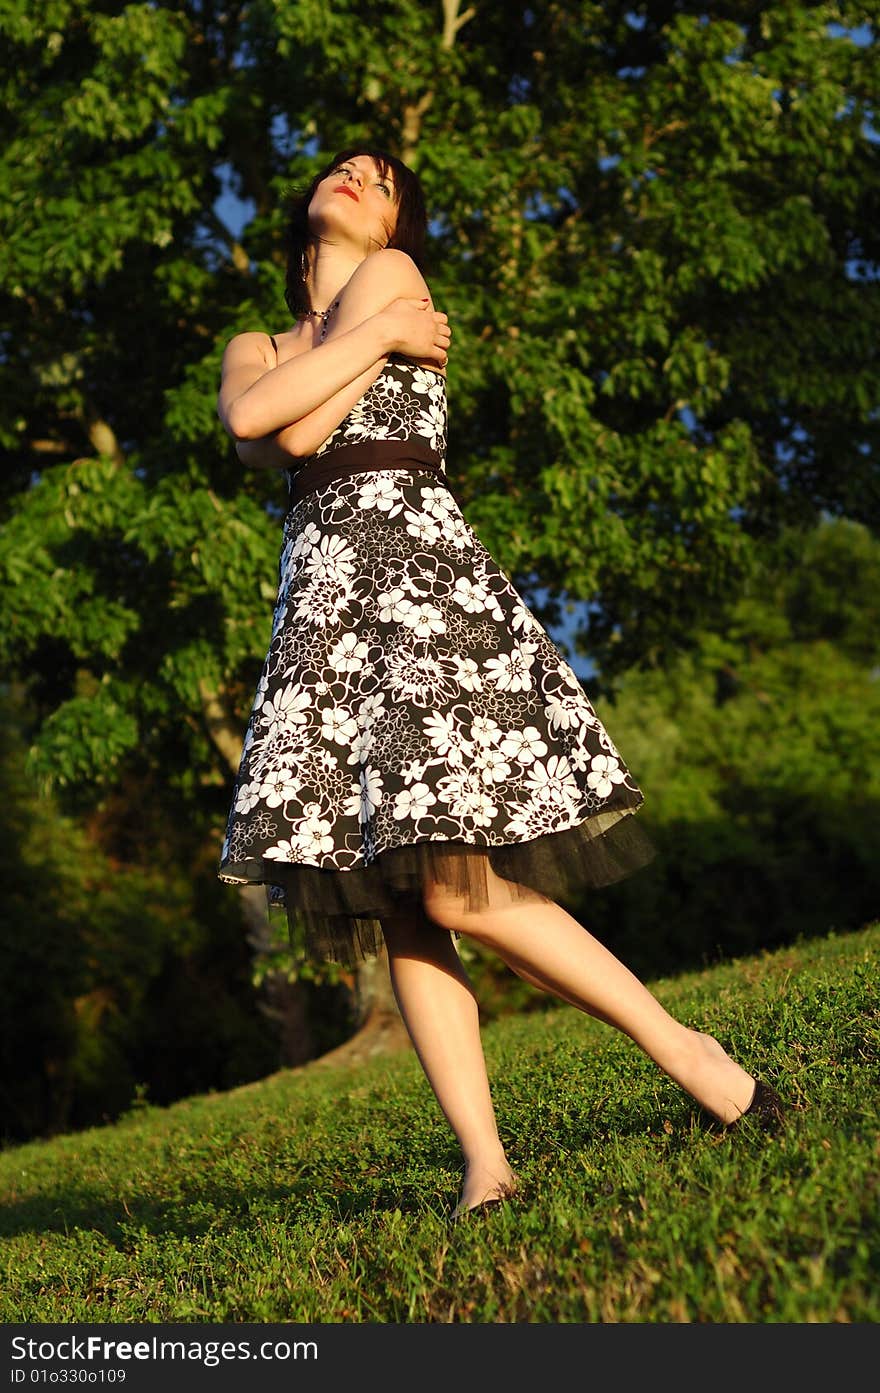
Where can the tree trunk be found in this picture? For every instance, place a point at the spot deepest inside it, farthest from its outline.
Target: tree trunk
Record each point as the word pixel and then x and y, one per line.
pixel 284 1003
pixel 381 1029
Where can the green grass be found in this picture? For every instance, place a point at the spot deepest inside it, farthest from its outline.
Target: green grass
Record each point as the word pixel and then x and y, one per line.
pixel 324 1195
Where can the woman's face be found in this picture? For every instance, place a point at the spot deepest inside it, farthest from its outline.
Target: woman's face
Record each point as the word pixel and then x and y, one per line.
pixel 356 204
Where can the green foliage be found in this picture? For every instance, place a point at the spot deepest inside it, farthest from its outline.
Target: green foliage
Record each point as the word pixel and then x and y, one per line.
pixel 85 739
pixel 323 1196
pixel 118 973
pixel 759 756
pixel 136 655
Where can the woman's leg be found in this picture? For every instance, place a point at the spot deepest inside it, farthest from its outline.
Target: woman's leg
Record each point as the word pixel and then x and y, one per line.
pixel 440 1012
pixel 534 981
pixel 544 944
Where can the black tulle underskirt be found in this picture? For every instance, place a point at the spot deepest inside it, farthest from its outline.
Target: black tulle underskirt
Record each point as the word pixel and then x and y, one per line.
pixel 340 911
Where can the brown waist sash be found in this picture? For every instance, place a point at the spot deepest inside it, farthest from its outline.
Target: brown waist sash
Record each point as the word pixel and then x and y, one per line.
pixel 367 455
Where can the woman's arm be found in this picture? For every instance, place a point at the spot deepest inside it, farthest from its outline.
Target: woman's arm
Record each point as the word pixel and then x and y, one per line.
pixel 373 313
pixel 256 399
pixel 266 453
pixel 388 285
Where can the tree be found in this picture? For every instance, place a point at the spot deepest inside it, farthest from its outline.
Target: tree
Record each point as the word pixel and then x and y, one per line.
pixel 123 977
pixel 655 233
pixel 759 755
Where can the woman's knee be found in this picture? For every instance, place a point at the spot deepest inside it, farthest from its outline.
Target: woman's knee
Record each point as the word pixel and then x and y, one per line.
pixel 452 914
pixel 414 933
pixel 442 909
pixel 484 920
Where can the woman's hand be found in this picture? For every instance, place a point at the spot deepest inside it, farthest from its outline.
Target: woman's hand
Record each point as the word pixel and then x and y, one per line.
pixel 415 330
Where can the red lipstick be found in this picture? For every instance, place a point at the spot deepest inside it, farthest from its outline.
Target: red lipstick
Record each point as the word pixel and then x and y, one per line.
pixel 342 188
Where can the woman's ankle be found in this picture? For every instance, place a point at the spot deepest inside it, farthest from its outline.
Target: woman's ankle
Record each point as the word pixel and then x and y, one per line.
pixel 493 1162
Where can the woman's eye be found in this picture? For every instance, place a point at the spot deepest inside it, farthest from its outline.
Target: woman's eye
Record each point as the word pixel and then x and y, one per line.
pixel 382 184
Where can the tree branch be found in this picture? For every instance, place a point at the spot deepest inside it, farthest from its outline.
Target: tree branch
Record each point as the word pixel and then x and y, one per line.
pixel 413 113
pixel 453 21
pixel 51 447
pixel 412 124
pixel 650 137
pixel 102 438
pixel 239 257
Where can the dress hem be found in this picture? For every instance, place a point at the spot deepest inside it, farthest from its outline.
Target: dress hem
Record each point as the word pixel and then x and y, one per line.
pixel 339 912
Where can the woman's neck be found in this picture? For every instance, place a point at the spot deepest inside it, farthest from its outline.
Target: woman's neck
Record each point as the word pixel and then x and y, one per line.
pixel 332 269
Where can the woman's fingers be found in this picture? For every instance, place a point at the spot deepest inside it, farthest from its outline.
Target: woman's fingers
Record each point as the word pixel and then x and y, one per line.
pixel 415 335
pixel 442 337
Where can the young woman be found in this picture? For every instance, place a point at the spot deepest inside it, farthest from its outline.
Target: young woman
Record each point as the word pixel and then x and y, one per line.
pixel 420 761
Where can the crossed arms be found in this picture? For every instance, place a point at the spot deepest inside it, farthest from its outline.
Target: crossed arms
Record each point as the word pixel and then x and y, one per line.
pixel 278 414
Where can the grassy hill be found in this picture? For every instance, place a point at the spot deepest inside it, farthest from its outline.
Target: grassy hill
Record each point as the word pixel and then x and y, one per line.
pixel 323 1195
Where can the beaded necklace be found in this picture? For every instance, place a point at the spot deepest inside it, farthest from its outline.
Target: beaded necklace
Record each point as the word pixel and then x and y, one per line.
pixel 322 314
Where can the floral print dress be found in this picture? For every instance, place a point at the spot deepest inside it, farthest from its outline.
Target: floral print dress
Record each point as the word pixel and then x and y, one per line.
pixel 413 719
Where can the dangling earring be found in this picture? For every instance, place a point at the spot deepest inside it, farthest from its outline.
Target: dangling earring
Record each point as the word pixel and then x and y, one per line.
pixel 304 263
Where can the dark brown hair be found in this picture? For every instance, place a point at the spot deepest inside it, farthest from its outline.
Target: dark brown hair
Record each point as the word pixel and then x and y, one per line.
pixel 408 236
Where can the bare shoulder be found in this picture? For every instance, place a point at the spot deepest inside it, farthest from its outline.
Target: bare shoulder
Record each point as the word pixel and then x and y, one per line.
pixel 246 358
pixel 389 261
pixel 381 278
pixel 388 270
pixel 249 349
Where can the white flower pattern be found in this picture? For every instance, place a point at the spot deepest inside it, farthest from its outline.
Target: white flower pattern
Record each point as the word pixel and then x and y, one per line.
pixel 408 691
